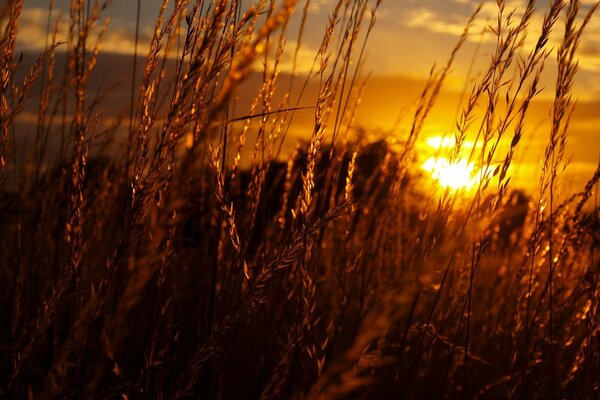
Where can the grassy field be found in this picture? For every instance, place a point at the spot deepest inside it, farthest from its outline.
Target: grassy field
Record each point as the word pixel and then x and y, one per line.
pixel 181 254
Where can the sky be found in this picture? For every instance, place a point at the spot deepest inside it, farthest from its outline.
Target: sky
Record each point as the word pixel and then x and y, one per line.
pixel 409 38
pixel 410 35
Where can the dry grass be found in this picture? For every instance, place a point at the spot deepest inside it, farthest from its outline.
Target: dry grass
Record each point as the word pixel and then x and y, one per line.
pixel 172 272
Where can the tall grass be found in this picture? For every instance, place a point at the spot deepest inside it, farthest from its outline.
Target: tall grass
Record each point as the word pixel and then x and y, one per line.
pixel 195 264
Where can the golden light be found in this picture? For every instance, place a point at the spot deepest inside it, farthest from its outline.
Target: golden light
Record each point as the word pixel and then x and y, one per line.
pixel 447 142
pixel 455 175
pixel 441 142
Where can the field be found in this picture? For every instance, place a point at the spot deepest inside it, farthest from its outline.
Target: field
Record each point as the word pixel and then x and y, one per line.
pixel 183 249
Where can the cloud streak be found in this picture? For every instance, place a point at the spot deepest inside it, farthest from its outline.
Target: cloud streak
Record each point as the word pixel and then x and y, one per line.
pixel 438 20
pixel 32 35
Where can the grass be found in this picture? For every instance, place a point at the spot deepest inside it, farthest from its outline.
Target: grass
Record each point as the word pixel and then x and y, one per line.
pixel 146 261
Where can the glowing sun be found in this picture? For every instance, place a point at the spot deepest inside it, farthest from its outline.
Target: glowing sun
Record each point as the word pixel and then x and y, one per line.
pixel 455 175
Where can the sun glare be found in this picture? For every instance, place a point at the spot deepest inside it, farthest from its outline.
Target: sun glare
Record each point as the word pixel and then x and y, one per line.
pixel 447 142
pixel 455 175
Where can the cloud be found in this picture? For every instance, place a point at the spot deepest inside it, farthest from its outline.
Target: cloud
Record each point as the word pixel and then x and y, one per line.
pixel 32 37
pixel 320 6
pixel 304 61
pixel 437 19
pixel 432 21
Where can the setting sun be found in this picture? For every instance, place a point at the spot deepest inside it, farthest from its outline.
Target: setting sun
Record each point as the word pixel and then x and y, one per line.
pixel 455 175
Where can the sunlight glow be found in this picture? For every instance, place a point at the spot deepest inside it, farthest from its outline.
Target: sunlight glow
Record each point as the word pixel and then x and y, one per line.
pixel 451 175
pixel 447 142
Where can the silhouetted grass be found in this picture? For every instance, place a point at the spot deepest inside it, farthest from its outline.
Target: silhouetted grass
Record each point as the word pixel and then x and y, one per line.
pixel 169 271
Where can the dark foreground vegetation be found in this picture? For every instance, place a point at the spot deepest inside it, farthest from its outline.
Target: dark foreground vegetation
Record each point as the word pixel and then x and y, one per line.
pixel 169 271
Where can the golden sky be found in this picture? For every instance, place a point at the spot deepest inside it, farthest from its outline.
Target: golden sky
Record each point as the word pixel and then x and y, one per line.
pixel 410 37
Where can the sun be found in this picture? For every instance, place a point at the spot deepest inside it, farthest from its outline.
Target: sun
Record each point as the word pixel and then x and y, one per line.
pixel 453 175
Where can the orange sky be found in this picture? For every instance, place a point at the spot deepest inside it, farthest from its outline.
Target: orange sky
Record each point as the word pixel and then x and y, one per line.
pixel 410 36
